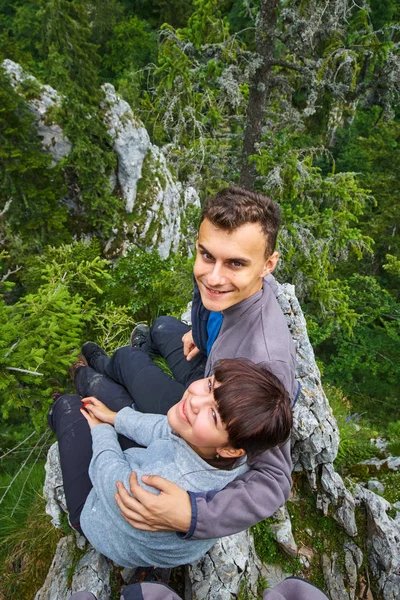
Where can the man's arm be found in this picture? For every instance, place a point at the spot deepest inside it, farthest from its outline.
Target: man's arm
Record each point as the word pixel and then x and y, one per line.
pixel 247 500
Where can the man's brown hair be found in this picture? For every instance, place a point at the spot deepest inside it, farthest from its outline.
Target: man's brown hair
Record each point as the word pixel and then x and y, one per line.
pixel 234 206
pixel 253 405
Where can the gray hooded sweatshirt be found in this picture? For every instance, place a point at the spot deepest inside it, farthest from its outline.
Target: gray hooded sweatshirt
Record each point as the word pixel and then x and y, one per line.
pixel 167 455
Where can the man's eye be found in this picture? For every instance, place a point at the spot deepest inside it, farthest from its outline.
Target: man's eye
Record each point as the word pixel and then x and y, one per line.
pixel 210 387
pixel 236 263
pixel 207 256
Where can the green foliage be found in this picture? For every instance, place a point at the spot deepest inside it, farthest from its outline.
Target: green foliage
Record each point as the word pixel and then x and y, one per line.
pixel 394 436
pixel 158 12
pixel 320 218
pixel 132 46
pixel 72 67
pixel 52 316
pixel 52 321
pixel 76 265
pixel 151 286
pixel 370 147
pixel 365 362
pixel 355 431
pixel 112 327
pixel 391 481
pixel 393 265
pixel 268 549
pixel 30 190
pixel 189 103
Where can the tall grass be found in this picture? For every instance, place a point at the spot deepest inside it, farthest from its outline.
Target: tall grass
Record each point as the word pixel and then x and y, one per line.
pixel 27 537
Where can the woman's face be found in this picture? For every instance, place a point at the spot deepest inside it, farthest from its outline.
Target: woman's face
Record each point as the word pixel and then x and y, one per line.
pixel 196 419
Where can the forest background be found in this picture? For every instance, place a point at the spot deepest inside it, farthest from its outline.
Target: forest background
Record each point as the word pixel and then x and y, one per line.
pixel 297 99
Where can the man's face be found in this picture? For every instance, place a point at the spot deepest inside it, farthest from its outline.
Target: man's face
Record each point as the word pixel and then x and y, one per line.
pixel 230 266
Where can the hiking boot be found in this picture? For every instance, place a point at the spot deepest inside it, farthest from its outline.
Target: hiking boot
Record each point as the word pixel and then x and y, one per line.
pixel 139 335
pixel 92 352
pixel 73 369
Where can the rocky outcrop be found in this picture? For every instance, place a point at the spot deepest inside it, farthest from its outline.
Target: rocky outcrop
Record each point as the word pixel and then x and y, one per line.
pixel 155 204
pixel 232 562
pixel 54 142
pixel 315 438
pixel 70 573
pixel 159 203
pixel 383 542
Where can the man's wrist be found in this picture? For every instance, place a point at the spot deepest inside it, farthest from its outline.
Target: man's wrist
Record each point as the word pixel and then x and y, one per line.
pixel 193 521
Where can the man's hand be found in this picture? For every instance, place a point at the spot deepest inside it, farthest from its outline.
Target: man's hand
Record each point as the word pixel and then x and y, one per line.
pixel 98 410
pixel 169 511
pixel 189 347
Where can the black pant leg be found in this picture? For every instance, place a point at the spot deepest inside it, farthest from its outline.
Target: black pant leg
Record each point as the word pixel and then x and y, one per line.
pixel 89 382
pixel 152 390
pixel 165 337
pixel 75 447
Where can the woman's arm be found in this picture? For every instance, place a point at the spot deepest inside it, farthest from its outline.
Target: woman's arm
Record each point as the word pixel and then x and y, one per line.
pixel 143 428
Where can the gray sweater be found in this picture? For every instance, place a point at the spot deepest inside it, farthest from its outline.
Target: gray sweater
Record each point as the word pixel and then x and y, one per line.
pixel 165 454
pixel 255 329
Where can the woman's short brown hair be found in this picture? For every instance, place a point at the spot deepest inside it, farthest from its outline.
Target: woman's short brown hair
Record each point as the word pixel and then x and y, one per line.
pixel 253 405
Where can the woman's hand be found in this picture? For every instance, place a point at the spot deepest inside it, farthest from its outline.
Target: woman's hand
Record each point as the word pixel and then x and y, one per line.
pixel 90 419
pixel 98 411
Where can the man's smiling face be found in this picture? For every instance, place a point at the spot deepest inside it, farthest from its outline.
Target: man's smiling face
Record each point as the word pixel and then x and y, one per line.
pixel 230 265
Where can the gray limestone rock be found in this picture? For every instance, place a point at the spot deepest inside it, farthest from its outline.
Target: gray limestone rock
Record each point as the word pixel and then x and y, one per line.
pixel 130 140
pixel 334 580
pixel 375 465
pixel 53 490
pixel 54 142
pixel 376 486
pixel 383 542
pixel 282 531
pixel 220 573
pixel 158 215
pixel 315 437
pixel 91 573
pixel 338 494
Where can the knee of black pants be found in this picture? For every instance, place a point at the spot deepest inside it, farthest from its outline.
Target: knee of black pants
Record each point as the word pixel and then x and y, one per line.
pixel 163 326
pixel 64 410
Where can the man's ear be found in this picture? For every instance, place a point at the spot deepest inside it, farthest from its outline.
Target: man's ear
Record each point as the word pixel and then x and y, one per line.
pixel 229 452
pixel 270 263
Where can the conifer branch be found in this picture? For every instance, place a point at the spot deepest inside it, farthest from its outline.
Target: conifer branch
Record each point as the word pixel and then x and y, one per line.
pixel 9 272
pixel 25 371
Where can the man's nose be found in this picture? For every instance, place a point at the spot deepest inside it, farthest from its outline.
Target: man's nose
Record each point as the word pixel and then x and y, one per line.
pixel 216 276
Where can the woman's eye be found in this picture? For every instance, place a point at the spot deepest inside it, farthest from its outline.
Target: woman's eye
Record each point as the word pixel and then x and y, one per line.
pixel 214 416
pixel 209 385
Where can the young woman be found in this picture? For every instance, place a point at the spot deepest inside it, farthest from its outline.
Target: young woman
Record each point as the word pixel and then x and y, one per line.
pixel 201 444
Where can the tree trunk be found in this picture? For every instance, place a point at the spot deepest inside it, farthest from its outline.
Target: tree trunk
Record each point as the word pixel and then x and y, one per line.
pixel 259 91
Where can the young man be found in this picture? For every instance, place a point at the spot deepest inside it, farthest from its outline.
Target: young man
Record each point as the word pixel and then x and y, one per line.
pixel 234 315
